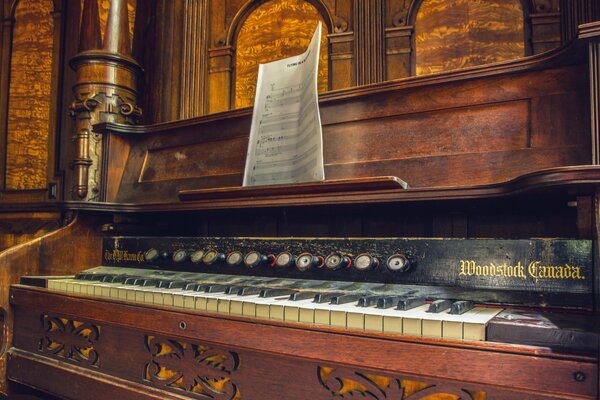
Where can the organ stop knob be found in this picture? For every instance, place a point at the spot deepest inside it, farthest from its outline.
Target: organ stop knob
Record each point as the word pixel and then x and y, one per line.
pixel 336 261
pixel 151 255
pixel 234 258
pixel 398 263
pixel 254 259
pixel 180 255
pixel 306 261
pixel 285 259
pixel 365 262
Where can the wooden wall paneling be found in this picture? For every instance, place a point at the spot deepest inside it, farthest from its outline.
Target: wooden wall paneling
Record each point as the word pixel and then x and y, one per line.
pixel 220 59
pixel 342 65
pixel 398 52
pixel 52 254
pixel 591 32
pixel 30 96
pixel 272 31
pixel 496 34
pixel 575 13
pixel 194 60
pixel 544 26
pixel 66 150
pixel 473 125
pixel 5 48
pixel 369 42
pixel 342 58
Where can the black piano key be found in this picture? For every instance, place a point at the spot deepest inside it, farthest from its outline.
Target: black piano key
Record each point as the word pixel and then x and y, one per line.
pixel 190 286
pixel 387 301
pixel 215 288
pixel 97 277
pixel 461 306
pixel 117 279
pixel 145 282
pixel 275 292
pixel 438 306
pixel 171 284
pixel 408 303
pixel 324 297
pixel 367 301
pixel 345 298
pixel 302 295
pixel 107 278
pixel 232 289
pixel 249 290
pixel 130 280
pixel 84 276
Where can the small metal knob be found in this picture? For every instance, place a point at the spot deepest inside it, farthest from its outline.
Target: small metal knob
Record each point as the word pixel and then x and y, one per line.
pixel 398 263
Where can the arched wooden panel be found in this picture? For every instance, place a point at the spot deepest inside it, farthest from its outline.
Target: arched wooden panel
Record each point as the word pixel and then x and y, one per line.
pixel 275 30
pixel 453 34
pixel 29 103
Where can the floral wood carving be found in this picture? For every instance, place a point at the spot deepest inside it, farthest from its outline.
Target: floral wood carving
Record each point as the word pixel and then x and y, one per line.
pixel 196 369
pixel 73 340
pixel 347 384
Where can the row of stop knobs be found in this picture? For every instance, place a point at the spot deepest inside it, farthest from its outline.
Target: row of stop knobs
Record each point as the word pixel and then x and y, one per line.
pixel 363 262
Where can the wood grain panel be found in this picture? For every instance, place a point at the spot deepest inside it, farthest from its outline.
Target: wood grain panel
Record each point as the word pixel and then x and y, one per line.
pixel 453 34
pixel 207 159
pixel 30 96
pixel 503 126
pixel 275 30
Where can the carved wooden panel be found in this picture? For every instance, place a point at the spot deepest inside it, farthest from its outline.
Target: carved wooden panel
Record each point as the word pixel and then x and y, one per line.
pixel 348 384
pixel 30 96
pixel 194 368
pixel 70 339
pixel 473 32
pixel 275 30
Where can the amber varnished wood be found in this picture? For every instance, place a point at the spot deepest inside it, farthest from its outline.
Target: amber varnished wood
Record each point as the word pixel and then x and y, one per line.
pixel 105 90
pixel 332 186
pixel 53 253
pixel 249 349
pixel 503 114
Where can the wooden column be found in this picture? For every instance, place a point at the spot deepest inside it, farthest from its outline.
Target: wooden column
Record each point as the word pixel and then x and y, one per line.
pixel 105 91
pixel 193 65
pixel 369 43
pixel 575 13
pixel 591 32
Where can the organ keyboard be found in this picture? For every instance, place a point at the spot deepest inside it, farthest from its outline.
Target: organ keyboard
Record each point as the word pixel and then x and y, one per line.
pixel 391 309
pixel 202 308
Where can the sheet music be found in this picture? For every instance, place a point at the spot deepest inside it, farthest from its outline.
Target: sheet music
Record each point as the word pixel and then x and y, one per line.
pixel 286 140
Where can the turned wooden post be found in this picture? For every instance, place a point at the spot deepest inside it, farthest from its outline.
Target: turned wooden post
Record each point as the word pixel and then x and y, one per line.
pixel 105 91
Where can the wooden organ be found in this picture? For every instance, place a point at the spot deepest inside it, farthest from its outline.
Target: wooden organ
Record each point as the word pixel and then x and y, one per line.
pixel 179 284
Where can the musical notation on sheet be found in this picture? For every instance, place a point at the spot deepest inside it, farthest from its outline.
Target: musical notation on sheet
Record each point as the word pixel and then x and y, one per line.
pixel 286 141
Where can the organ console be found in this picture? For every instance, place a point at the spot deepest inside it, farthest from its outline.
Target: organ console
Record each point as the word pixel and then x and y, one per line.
pixel 477 280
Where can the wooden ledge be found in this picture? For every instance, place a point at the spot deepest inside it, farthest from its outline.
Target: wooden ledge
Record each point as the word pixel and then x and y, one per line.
pixel 330 186
pixel 589 31
pixel 563 182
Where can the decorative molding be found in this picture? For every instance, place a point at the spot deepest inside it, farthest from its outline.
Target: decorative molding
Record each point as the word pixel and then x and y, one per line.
pixel 193 368
pixel 347 384
pixel 70 339
pixel 369 44
pixel 94 104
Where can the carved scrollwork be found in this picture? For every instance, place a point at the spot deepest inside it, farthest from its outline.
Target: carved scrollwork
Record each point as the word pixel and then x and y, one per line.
pixel 196 369
pixel 339 24
pixel 70 339
pixel 546 6
pixel 128 109
pixel 347 384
